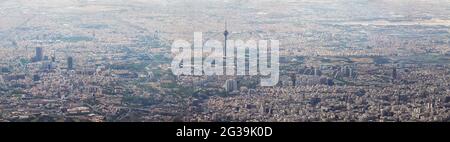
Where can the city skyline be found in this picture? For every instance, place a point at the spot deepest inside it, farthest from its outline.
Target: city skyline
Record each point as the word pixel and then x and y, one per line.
pixel 115 61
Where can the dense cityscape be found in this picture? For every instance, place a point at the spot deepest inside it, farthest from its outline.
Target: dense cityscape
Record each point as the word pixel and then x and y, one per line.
pixel 110 61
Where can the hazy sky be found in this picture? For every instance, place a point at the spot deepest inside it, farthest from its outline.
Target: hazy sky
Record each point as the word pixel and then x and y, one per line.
pixel 14 13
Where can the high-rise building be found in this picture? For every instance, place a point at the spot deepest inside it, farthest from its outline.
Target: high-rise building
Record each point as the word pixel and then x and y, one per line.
pixel 36 77
pixel 394 73
pixel 347 71
pixel 330 82
pixel 70 63
pixel 231 85
pixel 54 57
pixel 317 72
pixel 351 73
pixel 39 54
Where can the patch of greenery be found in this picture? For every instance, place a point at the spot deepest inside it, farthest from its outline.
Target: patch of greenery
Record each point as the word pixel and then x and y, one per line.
pixel 94 26
pixel 18 92
pixel 146 101
pixel 381 60
pixel 131 67
pixel 76 38
pixel 160 58
pixel 325 60
pixel 24 61
pixel 169 85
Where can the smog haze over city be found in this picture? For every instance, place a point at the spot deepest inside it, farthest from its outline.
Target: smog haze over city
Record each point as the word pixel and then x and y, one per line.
pixel 113 61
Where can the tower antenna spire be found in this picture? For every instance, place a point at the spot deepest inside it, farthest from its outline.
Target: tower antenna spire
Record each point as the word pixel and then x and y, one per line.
pixel 225 33
pixel 226 28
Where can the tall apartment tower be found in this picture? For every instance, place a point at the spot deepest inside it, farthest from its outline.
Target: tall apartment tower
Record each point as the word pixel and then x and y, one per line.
pixel 394 73
pixel 70 63
pixel 39 54
pixel 231 85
